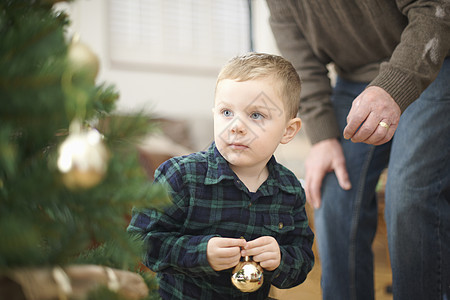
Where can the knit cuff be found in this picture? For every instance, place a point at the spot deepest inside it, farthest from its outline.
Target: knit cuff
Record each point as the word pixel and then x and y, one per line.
pixel 322 127
pixel 399 85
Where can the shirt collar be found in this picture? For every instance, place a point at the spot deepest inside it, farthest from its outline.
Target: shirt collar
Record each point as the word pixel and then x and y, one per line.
pixel 218 170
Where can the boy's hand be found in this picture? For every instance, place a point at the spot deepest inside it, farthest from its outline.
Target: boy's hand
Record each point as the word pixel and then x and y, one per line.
pixel 224 253
pixel 264 250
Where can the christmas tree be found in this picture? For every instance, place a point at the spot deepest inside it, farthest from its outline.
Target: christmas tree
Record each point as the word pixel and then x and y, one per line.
pixel 69 166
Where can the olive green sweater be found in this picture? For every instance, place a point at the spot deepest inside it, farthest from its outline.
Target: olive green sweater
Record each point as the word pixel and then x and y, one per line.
pixel 396 45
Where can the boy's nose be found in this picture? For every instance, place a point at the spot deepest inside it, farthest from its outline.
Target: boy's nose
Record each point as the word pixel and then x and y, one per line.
pixel 238 127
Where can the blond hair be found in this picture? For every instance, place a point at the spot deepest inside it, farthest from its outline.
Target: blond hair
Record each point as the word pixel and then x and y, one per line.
pixel 253 65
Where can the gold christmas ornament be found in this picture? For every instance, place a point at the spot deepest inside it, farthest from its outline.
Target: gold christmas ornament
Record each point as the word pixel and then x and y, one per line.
pixel 83 158
pixel 82 60
pixel 247 275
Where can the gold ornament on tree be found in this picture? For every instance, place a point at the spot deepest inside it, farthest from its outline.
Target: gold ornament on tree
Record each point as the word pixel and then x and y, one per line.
pixel 82 60
pixel 83 158
pixel 247 275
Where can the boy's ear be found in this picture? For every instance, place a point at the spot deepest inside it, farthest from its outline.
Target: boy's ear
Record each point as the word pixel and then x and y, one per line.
pixel 291 130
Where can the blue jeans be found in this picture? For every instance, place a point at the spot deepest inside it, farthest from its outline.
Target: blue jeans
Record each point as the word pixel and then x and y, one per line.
pixel 417 202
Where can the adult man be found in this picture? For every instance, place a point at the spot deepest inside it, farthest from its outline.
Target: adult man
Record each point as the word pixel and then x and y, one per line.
pixel 392 60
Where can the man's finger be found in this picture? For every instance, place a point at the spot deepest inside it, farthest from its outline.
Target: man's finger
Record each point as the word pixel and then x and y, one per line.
pixel 342 176
pixel 314 186
pixel 378 136
pixel 357 115
pixel 367 129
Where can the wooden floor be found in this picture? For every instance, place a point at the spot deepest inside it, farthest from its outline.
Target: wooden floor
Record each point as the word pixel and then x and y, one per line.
pixel 310 289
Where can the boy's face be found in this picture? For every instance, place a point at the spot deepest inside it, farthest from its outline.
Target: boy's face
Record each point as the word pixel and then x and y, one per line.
pixel 249 121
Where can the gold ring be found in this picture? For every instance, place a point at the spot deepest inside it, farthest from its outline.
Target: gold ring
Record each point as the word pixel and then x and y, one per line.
pixel 384 124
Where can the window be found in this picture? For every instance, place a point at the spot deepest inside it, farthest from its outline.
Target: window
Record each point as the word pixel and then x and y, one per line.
pixel 190 34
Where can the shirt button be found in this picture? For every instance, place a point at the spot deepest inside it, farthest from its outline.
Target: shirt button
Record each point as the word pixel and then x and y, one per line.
pixel 280 225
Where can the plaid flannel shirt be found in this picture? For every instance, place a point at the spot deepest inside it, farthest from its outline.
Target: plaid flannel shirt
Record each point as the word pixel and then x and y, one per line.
pixel 209 200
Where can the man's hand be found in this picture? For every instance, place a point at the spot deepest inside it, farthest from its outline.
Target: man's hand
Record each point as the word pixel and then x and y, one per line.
pixel 224 253
pixel 325 156
pixel 372 106
pixel 264 250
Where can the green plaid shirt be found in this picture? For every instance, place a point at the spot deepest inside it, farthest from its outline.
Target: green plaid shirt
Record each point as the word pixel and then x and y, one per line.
pixel 209 200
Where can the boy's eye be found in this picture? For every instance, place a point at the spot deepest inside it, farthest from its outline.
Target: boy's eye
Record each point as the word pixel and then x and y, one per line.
pixel 227 113
pixel 256 116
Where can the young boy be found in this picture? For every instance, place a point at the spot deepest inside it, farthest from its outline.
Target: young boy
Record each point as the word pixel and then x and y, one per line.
pixel 232 190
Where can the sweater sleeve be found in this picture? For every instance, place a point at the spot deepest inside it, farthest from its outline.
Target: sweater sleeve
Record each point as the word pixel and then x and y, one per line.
pixel 417 59
pixel 168 249
pixel 315 106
